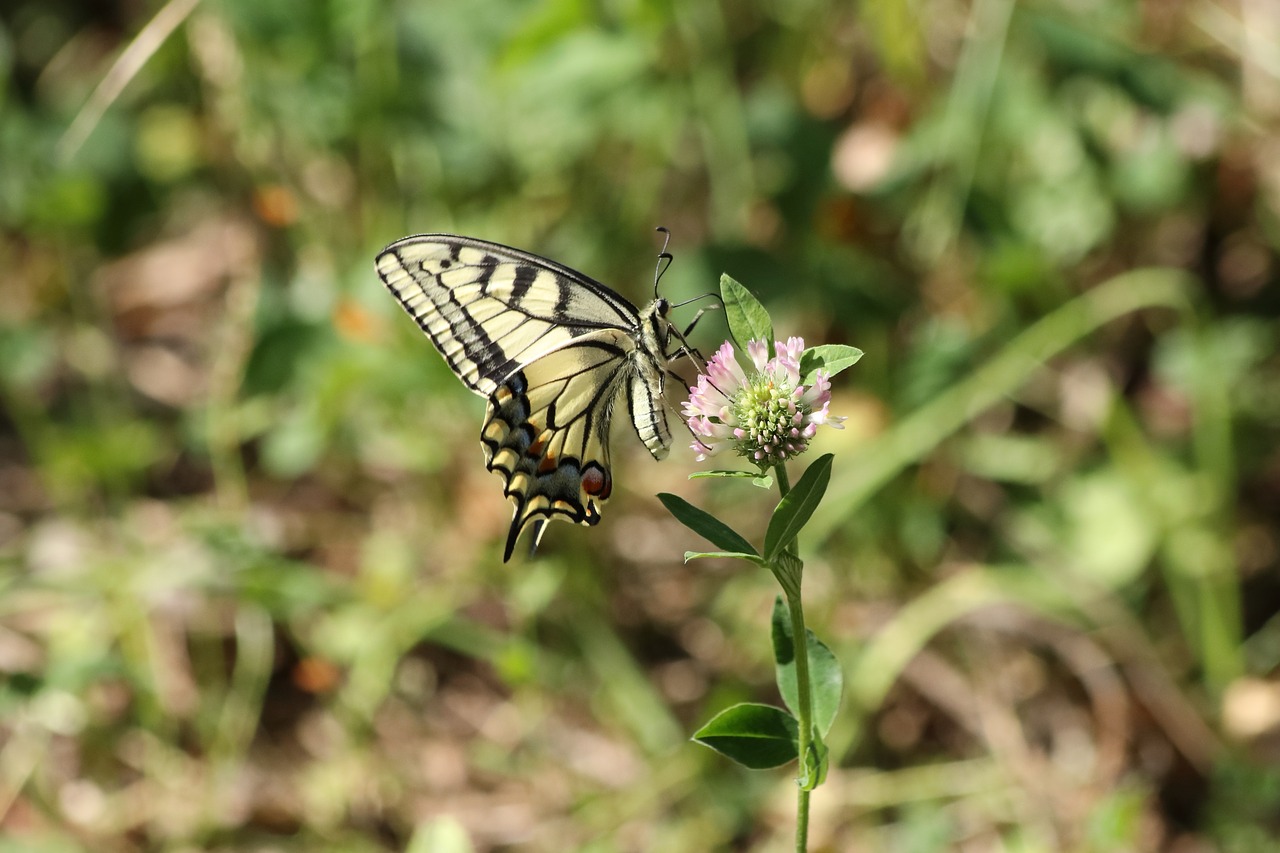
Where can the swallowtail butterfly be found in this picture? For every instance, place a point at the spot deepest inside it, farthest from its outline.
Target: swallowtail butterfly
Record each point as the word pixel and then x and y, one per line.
pixel 554 352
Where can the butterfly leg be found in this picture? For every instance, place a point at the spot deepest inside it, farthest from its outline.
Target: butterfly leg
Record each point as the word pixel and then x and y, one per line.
pixel 688 352
pixel 683 337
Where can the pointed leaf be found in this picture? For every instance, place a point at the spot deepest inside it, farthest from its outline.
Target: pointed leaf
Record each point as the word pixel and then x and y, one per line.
pixel 755 736
pixel 795 509
pixel 826 679
pixel 764 481
pixel 748 321
pixel 706 525
pixel 832 358
pixel 699 555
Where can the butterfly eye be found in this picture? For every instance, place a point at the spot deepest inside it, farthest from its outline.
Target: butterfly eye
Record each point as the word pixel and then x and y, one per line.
pixel 595 482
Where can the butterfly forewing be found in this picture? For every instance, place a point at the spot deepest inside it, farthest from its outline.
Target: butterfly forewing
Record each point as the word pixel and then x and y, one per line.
pixel 489 308
pixel 552 349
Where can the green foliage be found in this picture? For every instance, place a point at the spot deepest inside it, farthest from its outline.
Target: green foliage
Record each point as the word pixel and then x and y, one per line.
pixel 756 736
pixel 747 318
pixel 708 526
pixel 824 670
pixel 440 835
pixel 831 358
pixel 762 481
pixel 246 537
pixel 797 507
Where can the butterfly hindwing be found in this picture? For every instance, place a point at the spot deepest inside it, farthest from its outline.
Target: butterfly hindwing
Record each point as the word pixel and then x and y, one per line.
pixel 553 351
pixel 546 432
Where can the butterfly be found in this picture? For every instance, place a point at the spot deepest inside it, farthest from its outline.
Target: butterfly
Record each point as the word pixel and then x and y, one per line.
pixel 554 352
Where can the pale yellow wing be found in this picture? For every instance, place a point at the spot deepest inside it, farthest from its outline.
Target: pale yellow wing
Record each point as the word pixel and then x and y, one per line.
pixel 489 308
pixel 553 350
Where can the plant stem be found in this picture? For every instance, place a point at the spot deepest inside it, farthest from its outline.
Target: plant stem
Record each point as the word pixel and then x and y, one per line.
pixel 804 689
pixel 784 483
pixel 805 714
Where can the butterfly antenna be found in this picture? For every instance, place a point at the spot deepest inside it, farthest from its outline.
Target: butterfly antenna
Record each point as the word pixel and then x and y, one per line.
pixel 707 295
pixel 663 255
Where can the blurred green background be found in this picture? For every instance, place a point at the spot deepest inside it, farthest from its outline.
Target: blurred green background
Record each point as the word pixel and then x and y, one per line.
pixel 249 555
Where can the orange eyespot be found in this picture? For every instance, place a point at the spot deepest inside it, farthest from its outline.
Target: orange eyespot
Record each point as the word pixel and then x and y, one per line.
pixel 595 482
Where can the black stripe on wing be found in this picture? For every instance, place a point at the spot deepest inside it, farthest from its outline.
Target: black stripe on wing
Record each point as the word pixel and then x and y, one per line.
pixel 628 316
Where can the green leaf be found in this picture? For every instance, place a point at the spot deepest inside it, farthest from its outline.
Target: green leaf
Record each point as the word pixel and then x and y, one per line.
pixel 755 736
pixel 832 358
pixel 796 508
pixel 706 525
pixel 748 321
pixel 698 555
pixel 826 679
pixel 764 481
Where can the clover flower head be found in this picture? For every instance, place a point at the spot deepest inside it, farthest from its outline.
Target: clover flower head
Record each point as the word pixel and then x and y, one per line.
pixel 768 416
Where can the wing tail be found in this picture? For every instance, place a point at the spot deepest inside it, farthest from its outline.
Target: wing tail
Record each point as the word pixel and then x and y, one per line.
pixel 517 527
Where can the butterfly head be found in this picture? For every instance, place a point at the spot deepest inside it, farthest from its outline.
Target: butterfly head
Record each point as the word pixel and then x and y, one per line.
pixel 661 313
